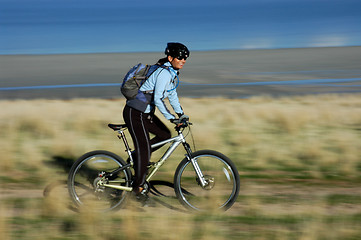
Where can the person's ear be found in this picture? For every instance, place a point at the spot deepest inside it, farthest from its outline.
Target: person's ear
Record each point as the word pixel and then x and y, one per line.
pixel 170 58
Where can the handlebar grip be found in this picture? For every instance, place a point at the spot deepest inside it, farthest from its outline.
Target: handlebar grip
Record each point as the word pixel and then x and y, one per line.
pixel 182 120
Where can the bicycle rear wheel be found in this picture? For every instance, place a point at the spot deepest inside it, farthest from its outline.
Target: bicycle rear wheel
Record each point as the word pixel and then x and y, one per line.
pixel 221 177
pixel 86 172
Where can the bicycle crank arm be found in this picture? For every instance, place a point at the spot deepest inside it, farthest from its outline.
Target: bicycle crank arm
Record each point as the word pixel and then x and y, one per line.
pixel 128 189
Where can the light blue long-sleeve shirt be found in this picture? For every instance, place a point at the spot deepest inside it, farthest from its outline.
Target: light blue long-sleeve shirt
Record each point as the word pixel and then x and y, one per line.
pixel 163 83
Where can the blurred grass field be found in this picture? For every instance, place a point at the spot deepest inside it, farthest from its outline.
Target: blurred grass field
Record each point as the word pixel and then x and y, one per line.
pixel 299 159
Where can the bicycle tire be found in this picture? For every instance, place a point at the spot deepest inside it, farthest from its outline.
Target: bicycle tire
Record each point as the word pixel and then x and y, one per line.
pixel 220 173
pixel 84 174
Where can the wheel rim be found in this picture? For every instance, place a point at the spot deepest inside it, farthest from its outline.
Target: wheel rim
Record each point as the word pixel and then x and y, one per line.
pixel 221 187
pixel 86 190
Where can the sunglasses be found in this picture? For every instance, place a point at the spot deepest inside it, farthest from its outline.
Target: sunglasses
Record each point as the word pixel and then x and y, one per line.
pixel 181 58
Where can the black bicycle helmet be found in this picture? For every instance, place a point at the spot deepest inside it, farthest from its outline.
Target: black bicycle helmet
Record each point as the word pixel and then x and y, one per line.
pixel 175 49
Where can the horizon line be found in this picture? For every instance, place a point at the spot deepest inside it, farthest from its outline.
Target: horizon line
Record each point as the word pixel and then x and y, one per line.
pixel 205 50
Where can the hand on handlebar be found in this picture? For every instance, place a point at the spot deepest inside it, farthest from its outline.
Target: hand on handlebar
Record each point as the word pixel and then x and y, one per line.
pixel 181 121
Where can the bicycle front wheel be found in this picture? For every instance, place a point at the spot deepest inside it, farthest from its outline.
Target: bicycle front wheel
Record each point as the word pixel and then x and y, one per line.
pixel 85 175
pixel 221 182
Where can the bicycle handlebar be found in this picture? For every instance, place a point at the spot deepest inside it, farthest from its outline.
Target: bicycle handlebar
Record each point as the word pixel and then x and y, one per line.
pixel 181 123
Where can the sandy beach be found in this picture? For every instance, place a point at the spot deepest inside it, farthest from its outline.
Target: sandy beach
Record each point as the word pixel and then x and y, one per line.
pixel 231 74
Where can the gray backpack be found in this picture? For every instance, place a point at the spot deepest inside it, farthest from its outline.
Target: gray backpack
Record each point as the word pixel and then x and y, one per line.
pixel 135 78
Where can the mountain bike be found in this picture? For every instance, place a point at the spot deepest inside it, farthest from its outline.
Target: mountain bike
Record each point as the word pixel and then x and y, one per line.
pixel 203 180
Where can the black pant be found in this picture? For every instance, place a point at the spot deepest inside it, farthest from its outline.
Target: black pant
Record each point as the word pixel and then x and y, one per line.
pixel 140 125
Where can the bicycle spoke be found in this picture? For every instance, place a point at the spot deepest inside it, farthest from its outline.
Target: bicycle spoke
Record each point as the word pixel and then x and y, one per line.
pixel 221 182
pixel 86 179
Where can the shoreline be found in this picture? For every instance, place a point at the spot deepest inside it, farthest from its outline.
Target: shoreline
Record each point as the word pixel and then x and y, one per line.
pixel 203 67
pixel 160 52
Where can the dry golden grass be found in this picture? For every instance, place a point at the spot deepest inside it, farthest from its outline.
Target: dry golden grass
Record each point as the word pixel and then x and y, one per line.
pixel 280 141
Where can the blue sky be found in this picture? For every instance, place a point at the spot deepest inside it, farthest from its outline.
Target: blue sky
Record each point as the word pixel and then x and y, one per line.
pixel 86 26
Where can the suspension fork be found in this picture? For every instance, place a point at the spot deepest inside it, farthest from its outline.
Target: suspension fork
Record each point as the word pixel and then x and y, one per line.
pixel 195 164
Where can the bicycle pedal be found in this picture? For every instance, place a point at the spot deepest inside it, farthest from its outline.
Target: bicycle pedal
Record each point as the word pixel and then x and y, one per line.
pixel 144 200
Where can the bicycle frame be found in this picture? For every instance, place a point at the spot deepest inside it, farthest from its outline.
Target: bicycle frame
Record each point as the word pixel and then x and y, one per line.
pixel 176 141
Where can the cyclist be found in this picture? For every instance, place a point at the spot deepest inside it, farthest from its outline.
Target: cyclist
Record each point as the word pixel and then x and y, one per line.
pixel 140 117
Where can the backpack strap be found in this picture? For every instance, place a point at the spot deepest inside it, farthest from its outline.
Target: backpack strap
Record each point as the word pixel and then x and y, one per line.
pixel 176 74
pixel 170 71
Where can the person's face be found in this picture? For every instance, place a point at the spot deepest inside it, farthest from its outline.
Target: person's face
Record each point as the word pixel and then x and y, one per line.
pixel 177 63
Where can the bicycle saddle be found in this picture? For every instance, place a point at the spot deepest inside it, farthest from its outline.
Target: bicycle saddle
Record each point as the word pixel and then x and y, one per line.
pixel 117 127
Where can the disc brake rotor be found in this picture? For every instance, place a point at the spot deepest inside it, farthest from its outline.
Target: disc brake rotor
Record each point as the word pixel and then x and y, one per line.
pixel 209 182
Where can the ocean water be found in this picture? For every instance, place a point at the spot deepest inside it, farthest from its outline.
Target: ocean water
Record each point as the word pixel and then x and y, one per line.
pixel 91 26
